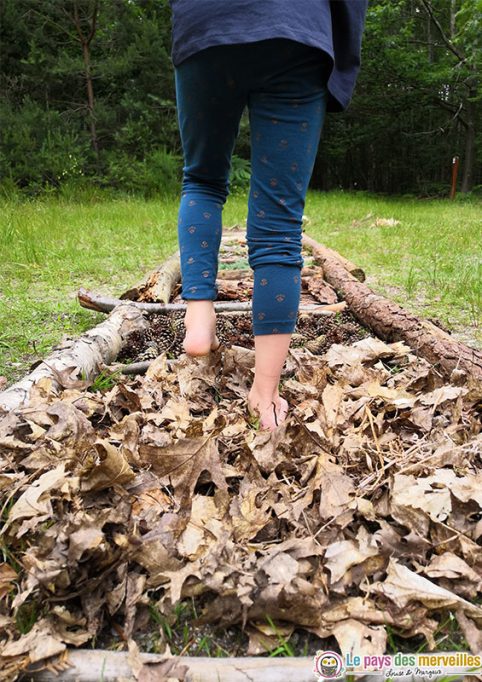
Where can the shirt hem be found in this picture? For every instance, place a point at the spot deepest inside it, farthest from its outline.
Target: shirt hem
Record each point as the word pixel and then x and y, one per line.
pixel 335 102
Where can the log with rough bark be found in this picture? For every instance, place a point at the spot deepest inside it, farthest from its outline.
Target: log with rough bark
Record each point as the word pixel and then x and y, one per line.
pixel 353 269
pixel 104 304
pixel 391 322
pixel 86 354
pixel 159 284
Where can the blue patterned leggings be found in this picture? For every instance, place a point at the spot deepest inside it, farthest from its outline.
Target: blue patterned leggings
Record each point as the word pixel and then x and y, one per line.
pixel 283 84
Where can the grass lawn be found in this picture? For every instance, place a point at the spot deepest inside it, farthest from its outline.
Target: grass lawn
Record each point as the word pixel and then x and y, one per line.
pixel 430 262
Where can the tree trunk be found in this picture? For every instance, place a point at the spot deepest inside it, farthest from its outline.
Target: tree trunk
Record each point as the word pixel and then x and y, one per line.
pixel 469 156
pixel 85 41
pixel 391 322
pixel 90 98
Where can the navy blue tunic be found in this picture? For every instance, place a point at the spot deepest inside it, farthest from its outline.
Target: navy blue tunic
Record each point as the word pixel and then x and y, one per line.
pixel 335 26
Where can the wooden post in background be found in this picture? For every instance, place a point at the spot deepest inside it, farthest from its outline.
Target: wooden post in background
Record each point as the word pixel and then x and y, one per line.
pixel 455 170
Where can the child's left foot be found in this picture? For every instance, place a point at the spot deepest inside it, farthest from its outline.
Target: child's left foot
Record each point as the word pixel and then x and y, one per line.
pixel 200 324
pixel 271 413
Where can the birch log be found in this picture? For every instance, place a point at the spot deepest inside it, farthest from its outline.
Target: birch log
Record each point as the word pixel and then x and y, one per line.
pixel 159 284
pixel 110 666
pixel 97 346
pixel 391 322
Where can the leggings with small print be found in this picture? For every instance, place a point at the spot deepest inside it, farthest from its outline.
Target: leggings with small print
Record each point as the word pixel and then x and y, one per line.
pixel 283 85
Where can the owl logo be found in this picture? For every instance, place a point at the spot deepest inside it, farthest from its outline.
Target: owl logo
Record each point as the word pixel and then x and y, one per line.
pixel 328 665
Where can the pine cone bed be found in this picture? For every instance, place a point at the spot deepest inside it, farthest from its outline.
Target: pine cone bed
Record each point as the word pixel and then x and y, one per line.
pixel 166 334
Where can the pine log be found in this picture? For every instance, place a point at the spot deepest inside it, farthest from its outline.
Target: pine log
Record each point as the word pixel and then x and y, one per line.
pixel 353 269
pixel 104 304
pixel 391 322
pixel 159 284
pixel 86 354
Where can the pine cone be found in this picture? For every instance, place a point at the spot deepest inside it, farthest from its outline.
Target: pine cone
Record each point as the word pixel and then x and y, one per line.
pixel 150 352
pixel 316 345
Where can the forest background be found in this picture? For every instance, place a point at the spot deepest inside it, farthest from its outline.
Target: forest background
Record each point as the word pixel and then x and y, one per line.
pixel 87 100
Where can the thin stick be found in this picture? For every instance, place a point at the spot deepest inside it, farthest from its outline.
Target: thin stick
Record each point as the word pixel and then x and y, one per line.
pixel 92 301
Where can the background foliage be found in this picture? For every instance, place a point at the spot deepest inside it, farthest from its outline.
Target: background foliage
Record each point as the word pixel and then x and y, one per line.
pixel 87 97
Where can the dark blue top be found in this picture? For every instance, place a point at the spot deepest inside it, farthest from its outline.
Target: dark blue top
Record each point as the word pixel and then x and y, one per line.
pixel 335 26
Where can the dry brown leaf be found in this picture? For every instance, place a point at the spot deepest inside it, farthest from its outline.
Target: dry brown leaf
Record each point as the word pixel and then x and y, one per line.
pixel 39 643
pixel 342 555
pixel 8 576
pixel 36 500
pixel 182 463
pixel 354 637
pixel 448 565
pixel 429 494
pixel 472 631
pixel 107 468
pixel 366 350
pixel 337 492
pixel 403 586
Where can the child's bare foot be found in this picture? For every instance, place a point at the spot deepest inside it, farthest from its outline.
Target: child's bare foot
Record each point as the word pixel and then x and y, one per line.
pixel 200 324
pixel 271 413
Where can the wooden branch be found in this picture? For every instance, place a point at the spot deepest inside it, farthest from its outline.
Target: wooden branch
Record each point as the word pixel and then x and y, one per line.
pixel 110 666
pixel 391 322
pixel 159 284
pixel 104 304
pixel 234 274
pixel 307 271
pixel 448 43
pixel 95 347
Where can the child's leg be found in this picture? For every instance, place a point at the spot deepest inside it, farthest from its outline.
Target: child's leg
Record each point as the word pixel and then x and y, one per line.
pixel 210 103
pixel 286 118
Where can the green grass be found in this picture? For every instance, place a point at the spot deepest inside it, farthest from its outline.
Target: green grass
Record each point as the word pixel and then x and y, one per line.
pixel 430 263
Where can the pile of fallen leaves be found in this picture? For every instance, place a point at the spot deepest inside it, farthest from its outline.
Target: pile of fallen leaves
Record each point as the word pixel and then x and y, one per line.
pixel 362 511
